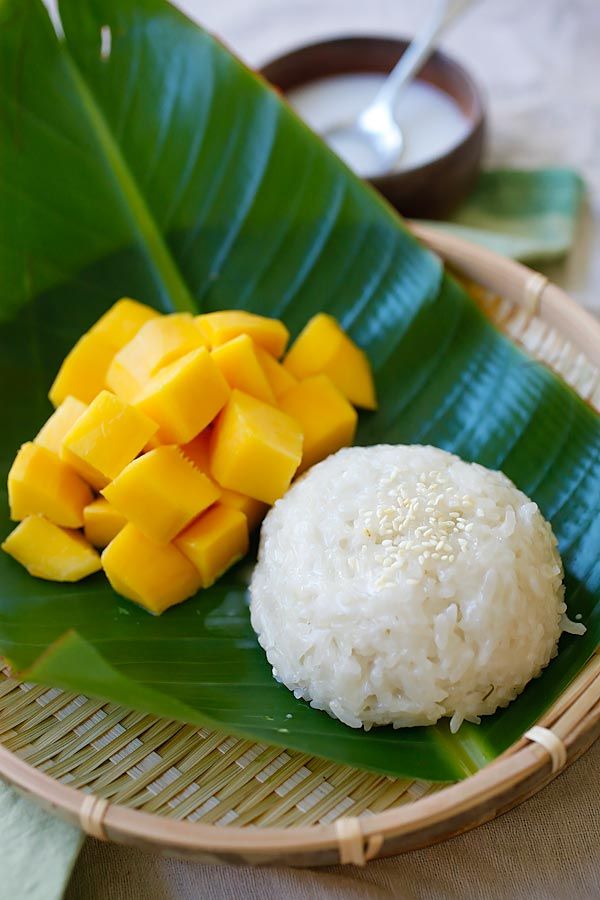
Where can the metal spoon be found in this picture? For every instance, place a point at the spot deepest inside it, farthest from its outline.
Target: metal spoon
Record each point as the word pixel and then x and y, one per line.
pixel 375 133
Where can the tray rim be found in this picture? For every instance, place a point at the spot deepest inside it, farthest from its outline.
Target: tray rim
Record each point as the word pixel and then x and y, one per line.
pixel 515 776
pixel 503 784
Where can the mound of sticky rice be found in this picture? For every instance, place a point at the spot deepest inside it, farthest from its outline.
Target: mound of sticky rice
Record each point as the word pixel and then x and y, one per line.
pixel 399 584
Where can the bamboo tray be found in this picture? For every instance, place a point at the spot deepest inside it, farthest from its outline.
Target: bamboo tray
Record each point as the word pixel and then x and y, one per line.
pixel 179 790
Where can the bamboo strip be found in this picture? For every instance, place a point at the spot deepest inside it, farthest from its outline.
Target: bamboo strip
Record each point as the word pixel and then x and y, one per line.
pixel 513 281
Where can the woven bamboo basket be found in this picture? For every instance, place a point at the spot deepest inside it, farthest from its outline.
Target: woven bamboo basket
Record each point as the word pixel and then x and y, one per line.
pixel 179 790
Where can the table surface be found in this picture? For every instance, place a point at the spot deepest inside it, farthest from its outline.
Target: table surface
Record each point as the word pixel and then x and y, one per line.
pixel 538 62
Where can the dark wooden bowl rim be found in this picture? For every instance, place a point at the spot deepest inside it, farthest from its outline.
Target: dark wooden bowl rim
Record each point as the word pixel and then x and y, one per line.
pixel 438 183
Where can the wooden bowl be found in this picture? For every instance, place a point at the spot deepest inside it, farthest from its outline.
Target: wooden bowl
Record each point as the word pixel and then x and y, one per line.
pixel 428 191
pixel 176 789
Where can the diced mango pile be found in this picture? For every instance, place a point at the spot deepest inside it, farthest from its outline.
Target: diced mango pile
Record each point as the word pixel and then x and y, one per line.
pixel 171 436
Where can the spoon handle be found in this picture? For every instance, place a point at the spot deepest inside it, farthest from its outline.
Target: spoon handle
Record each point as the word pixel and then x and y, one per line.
pixel 419 50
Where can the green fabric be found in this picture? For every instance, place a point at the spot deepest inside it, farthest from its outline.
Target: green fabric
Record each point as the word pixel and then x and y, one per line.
pixel 529 215
pixel 37 851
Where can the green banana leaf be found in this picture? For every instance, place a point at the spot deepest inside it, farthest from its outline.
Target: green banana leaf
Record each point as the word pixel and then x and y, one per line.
pixel 529 214
pixel 161 168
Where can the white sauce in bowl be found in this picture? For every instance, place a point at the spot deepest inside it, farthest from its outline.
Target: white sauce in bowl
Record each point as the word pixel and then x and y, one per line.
pixel 432 122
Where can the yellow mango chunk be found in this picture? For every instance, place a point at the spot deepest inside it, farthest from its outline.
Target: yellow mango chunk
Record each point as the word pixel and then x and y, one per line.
pixel 255 448
pixel 280 380
pixel 150 573
pixel 48 551
pixel 83 372
pixel 253 510
pixel 184 397
pixel 152 444
pixel 238 362
pixel 159 342
pixel 105 438
pixel 198 450
pixel 161 492
pixel 120 380
pixel 323 348
pixel 52 434
pixel 123 321
pixel 220 327
pixel 326 418
pixel 39 483
pixel 102 522
pixel 214 542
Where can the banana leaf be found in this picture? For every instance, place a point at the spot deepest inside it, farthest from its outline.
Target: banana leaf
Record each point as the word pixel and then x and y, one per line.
pixel 139 157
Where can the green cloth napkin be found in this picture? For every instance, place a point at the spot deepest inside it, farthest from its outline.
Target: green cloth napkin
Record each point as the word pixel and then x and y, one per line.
pixel 37 851
pixel 529 215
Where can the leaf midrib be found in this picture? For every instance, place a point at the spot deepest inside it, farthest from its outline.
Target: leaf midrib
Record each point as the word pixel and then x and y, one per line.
pixel 174 291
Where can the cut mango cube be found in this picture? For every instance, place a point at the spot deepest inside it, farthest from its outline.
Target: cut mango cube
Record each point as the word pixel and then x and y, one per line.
pixel 239 364
pixel 102 522
pixel 123 321
pixel 48 551
pixel 153 574
pixel 223 326
pixel 159 342
pixel 184 397
pixel 153 443
pixel 255 448
pixel 161 492
pixel 198 451
pixel 327 420
pixel 83 372
pixel 323 348
pixel 52 434
pixel 280 380
pixel 120 380
pixel 214 542
pixel 254 510
pixel 105 438
pixel 39 483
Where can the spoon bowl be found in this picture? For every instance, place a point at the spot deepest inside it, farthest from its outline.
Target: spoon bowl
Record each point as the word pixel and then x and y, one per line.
pixel 374 139
pixel 375 131
pixel 429 190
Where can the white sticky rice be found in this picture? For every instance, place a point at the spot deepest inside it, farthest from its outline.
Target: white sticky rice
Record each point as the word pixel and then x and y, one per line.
pixel 399 584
